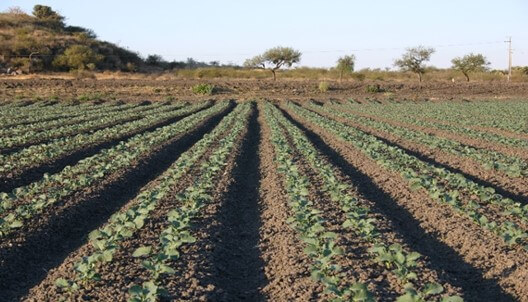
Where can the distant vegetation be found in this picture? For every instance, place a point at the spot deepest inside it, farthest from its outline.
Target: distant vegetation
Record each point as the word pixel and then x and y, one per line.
pixel 43 42
pixel 275 58
pixel 414 60
pixel 470 63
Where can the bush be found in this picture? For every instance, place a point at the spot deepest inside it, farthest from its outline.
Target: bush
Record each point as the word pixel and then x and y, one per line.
pixel 78 57
pixel 374 88
pixel 324 86
pixel 204 89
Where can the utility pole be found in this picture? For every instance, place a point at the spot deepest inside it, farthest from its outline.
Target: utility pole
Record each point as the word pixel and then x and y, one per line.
pixel 509 58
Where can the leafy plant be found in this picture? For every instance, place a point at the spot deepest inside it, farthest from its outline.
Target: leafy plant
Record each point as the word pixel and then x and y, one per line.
pixel 374 88
pixel 203 89
pixel 324 86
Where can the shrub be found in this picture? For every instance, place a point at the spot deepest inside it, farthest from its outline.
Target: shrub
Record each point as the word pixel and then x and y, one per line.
pixel 374 88
pixel 204 89
pixel 324 86
pixel 78 57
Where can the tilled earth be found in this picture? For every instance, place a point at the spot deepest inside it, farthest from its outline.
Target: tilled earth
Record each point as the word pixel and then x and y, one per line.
pixel 246 248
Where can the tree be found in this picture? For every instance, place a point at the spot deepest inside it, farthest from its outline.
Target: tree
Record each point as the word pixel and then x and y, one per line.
pixel 154 60
pixel 78 57
pixel 15 10
pixel 274 58
pixel 413 60
pixel 470 63
pixel 48 16
pixel 345 65
pixel 44 12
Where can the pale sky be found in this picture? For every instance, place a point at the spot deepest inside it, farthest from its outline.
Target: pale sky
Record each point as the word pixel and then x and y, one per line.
pixel 375 31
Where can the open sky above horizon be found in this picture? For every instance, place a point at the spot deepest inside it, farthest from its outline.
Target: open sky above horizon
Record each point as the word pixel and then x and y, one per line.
pixel 376 31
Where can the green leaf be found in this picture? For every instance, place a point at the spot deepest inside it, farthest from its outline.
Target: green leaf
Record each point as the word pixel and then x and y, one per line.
pixel 142 251
pixel 329 235
pixel 406 298
pixel 452 299
pixel 61 282
pixel 136 290
pixel 432 289
pixel 15 224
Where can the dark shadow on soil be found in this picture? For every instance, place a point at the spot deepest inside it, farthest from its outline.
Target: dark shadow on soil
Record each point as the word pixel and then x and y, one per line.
pixel 450 266
pixel 238 269
pixel 34 174
pixel 25 265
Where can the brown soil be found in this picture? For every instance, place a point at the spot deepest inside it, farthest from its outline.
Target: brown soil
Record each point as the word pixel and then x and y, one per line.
pixel 356 262
pixel 46 240
pixel 286 263
pixel 200 271
pixel 161 89
pixel 471 257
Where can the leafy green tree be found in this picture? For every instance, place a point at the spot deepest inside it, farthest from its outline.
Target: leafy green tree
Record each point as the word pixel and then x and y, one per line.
pixel 154 60
pixel 345 65
pixel 78 57
pixel 48 16
pixel 413 60
pixel 46 13
pixel 274 58
pixel 470 63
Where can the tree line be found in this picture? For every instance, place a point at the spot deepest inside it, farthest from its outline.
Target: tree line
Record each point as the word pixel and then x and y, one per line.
pixel 413 60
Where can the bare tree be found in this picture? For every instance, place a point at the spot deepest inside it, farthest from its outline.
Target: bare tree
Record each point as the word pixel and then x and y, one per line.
pixel 274 58
pixel 345 65
pixel 413 60
pixel 470 63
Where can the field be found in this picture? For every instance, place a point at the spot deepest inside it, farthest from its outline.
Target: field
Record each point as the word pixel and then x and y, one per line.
pixel 260 198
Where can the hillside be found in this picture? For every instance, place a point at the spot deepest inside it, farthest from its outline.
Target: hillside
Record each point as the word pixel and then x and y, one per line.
pixel 43 42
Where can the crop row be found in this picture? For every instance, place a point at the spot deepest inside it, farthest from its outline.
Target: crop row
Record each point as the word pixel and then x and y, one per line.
pixel 106 241
pixel 94 123
pixel 358 219
pixel 512 166
pixel 463 195
pixel 415 119
pixel 320 245
pixel 159 258
pixel 12 119
pixel 505 115
pixel 85 117
pixel 38 154
pixel 27 201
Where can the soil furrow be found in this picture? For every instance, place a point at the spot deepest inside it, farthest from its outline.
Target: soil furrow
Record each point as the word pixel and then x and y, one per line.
pixel 385 285
pixel 472 262
pixel 238 273
pixel 121 266
pixel 286 266
pixel 26 261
